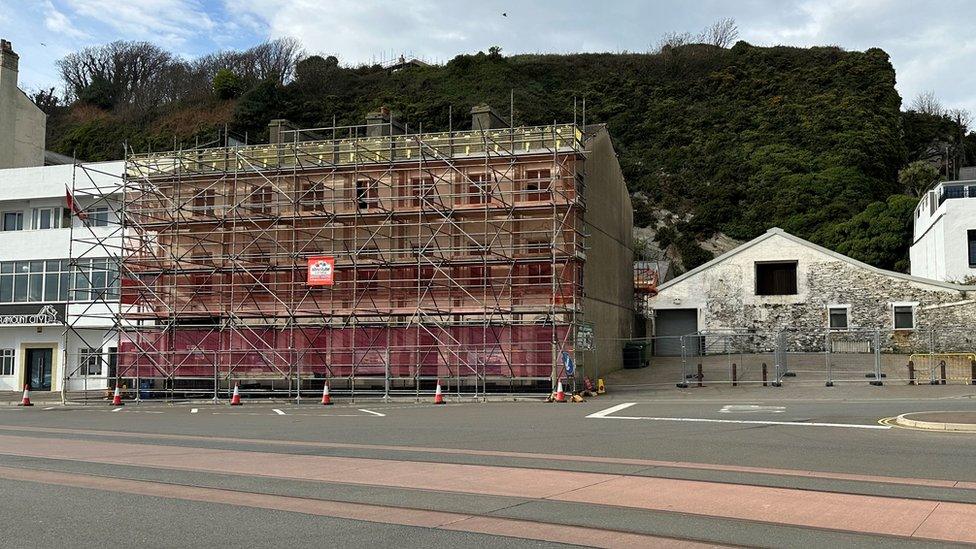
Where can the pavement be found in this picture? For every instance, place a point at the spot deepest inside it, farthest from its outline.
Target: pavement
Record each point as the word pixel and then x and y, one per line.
pixel 715 466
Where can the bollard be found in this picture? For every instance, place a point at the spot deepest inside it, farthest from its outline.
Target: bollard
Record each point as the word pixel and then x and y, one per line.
pixel 911 373
pixel 764 374
pixel 733 374
pixel 700 375
pixel 942 371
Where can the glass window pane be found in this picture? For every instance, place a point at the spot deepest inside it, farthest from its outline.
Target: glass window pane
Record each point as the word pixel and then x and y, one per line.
pixel 37 266
pixel 51 287
pixel 7 267
pixel 52 266
pixel 81 286
pixel 6 288
pixel 65 285
pixel 45 219
pixel 35 292
pixel 20 288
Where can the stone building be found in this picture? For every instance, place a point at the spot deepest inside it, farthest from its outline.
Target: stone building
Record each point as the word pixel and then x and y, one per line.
pixel 781 283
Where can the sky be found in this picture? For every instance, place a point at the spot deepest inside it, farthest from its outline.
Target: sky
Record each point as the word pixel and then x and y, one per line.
pixel 931 43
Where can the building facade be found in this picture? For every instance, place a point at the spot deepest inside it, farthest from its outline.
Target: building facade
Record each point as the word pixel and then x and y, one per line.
pixel 378 259
pixel 56 280
pixel 944 243
pixel 22 124
pixel 781 283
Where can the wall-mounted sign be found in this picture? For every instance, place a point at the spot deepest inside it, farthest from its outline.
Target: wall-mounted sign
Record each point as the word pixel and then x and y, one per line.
pixel 47 315
pixel 584 337
pixel 321 271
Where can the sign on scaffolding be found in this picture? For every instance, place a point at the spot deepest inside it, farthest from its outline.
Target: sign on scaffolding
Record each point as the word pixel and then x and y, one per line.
pixel 321 271
pixel 584 337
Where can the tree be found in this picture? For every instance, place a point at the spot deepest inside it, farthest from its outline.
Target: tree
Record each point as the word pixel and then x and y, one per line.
pixel 722 33
pixel 880 235
pixel 926 102
pixel 917 177
pixel 123 74
pixel 227 85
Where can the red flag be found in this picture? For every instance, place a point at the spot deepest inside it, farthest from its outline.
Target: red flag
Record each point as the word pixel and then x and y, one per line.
pixel 73 206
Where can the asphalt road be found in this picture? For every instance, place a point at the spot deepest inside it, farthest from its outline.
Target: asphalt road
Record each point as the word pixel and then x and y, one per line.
pixel 799 465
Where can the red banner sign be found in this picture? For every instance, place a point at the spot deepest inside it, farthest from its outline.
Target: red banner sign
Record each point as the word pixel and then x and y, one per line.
pixel 321 271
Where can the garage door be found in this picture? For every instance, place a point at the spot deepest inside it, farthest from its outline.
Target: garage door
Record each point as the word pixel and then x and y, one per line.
pixel 673 322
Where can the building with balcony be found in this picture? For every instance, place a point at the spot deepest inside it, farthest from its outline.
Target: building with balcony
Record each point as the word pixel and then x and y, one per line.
pixel 944 241
pixel 58 280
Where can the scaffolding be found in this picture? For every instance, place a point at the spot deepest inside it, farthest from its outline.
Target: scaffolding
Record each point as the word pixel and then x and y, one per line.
pixel 458 257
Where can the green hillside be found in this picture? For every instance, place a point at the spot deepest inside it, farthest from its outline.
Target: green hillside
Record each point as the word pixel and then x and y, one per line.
pixel 733 140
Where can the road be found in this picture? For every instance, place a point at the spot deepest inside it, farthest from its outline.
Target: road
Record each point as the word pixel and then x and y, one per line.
pixel 682 470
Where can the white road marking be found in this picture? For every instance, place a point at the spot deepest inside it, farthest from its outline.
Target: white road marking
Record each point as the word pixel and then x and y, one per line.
pixel 753 422
pixel 50 408
pixel 751 408
pixel 372 412
pixel 612 409
pixel 117 410
pixel 277 411
pixel 193 410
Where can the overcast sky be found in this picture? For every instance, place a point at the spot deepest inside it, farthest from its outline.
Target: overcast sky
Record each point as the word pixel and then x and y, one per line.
pixel 932 43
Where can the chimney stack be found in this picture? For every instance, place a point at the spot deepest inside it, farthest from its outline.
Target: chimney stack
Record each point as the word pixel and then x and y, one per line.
pixel 483 117
pixel 22 123
pixel 383 122
pixel 8 59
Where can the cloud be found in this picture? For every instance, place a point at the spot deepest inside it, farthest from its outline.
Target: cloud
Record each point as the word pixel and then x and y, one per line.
pixel 57 22
pixel 169 23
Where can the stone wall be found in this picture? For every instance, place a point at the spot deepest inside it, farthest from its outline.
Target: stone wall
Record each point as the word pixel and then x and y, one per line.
pixel 724 294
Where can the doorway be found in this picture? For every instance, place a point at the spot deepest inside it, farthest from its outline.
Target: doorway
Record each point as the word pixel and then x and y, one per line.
pixel 39 363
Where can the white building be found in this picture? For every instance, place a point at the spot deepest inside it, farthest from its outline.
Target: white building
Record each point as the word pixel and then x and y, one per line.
pixel 56 278
pixel 944 243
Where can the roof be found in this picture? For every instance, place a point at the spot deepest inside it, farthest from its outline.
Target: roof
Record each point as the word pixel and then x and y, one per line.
pixel 776 231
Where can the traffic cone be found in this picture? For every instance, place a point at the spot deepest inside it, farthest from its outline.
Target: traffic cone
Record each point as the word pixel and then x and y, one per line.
pixel 117 398
pixel 26 400
pixel 560 394
pixel 235 399
pixel 438 395
pixel 326 400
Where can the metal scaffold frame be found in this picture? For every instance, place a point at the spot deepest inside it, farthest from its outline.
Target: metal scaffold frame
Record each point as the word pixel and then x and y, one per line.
pixel 458 257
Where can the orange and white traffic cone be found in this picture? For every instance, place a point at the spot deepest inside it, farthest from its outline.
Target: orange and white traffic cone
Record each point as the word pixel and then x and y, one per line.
pixel 326 399
pixel 117 398
pixel 438 395
pixel 26 400
pixel 235 399
pixel 560 394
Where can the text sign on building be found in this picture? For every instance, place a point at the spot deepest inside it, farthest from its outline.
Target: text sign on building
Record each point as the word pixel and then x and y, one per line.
pixel 47 315
pixel 321 271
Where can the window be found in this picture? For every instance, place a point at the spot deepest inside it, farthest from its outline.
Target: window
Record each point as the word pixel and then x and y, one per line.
pixel 367 193
pixel 50 281
pixel 479 188
pixel 13 221
pixel 971 234
pixel 904 316
pixel 537 184
pixel 98 217
pixel 261 200
pixel 203 203
pixel 777 278
pixel 6 362
pixel 49 218
pixel 90 362
pixel 420 188
pixel 837 316
pixel 313 196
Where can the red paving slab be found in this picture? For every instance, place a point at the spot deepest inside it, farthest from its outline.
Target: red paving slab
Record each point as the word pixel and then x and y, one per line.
pixel 357 511
pixel 856 513
pixel 938 483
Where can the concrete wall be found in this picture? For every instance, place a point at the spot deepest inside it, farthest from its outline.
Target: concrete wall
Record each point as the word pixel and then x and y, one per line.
pixel 725 297
pixel 608 273
pixel 940 250
pixel 22 124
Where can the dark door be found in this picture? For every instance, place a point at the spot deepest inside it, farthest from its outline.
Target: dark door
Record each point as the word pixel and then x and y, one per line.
pixel 39 369
pixel 670 323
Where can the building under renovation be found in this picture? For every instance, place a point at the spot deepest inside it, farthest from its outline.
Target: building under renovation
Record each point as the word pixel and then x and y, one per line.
pixel 490 259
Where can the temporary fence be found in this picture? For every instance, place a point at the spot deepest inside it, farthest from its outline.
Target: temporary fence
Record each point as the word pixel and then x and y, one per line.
pixel 863 355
